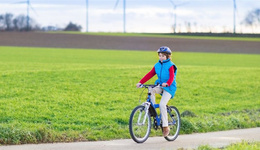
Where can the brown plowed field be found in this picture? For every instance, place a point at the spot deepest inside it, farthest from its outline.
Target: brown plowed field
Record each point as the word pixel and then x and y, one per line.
pixel 59 40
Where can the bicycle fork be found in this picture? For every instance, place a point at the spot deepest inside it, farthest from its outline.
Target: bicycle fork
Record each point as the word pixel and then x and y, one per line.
pixel 146 111
pixel 173 121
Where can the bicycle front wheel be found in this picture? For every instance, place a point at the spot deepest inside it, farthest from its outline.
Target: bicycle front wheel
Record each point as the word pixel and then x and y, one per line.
pixel 140 124
pixel 174 122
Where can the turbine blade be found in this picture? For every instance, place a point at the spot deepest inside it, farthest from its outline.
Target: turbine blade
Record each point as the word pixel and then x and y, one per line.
pixel 182 4
pixel 33 9
pixel 21 2
pixel 116 4
pixel 172 3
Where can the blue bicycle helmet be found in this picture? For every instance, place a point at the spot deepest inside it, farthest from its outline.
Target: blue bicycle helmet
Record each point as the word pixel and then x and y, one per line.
pixel 164 49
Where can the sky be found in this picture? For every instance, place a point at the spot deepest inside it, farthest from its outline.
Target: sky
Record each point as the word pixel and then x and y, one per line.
pixel 154 16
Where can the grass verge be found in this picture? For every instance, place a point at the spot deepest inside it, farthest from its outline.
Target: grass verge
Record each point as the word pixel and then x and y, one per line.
pixel 244 145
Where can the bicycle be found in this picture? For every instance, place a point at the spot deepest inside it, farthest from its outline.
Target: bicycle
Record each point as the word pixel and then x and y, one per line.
pixel 140 119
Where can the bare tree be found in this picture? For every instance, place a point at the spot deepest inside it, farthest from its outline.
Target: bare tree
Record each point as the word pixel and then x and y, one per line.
pixel 253 18
pixel 22 22
pixel 1 22
pixel 72 27
pixel 188 26
pixel 8 21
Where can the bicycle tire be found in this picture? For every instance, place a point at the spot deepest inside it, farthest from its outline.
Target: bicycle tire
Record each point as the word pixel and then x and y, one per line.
pixel 139 132
pixel 174 121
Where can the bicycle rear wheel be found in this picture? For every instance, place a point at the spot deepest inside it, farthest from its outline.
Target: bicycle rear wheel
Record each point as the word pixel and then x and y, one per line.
pixel 140 124
pixel 174 122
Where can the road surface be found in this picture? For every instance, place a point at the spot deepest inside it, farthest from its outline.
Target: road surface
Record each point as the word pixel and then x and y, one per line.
pixel 214 139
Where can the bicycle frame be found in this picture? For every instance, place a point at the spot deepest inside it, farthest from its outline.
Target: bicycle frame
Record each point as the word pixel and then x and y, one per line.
pixel 152 109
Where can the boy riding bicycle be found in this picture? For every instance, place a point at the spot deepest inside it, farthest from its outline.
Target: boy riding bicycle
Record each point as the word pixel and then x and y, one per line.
pixel 166 72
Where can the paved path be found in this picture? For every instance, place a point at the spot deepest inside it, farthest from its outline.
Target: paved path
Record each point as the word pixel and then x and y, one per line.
pixel 214 139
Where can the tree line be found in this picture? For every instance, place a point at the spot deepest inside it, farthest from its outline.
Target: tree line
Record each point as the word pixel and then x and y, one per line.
pixel 9 22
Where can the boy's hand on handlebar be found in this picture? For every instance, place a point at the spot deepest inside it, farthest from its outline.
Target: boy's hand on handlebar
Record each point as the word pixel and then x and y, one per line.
pixel 138 85
pixel 164 84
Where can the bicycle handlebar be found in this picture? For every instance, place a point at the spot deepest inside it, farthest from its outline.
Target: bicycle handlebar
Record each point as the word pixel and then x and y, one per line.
pixel 149 85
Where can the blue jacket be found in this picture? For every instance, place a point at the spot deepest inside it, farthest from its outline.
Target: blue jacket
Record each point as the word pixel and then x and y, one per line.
pixel 162 71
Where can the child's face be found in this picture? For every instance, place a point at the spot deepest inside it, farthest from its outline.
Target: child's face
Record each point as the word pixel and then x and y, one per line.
pixel 162 57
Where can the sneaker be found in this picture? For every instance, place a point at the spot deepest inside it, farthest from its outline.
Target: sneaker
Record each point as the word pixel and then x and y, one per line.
pixel 166 131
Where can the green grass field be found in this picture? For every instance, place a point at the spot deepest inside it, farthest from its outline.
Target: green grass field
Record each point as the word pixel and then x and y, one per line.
pixel 51 95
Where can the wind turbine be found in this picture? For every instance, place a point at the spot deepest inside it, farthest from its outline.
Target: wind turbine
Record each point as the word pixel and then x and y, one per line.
pixel 175 18
pixel 234 16
pixel 28 12
pixel 124 18
pixel 87 15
